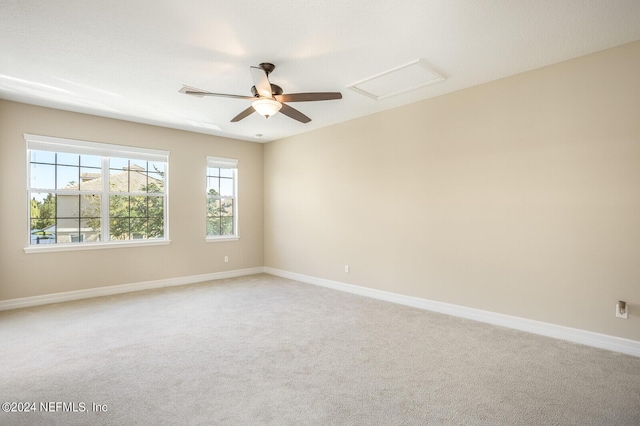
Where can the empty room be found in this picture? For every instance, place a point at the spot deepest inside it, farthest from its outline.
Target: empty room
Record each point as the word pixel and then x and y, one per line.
pixel 323 213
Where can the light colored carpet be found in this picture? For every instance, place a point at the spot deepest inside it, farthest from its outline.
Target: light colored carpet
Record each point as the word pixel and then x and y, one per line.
pixel 266 350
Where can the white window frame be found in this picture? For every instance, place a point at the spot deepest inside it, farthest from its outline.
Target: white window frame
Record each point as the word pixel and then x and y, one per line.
pixel 223 163
pixel 106 151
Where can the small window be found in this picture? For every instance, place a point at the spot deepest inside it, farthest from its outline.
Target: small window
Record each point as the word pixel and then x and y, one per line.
pixel 83 193
pixel 222 201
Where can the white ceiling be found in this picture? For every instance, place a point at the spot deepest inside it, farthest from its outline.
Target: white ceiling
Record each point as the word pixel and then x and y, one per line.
pixel 128 59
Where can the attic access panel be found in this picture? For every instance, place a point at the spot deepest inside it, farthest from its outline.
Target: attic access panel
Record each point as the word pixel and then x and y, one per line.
pixel 398 80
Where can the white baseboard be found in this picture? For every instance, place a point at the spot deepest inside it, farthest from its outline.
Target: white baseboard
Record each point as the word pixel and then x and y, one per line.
pixel 45 299
pixel 603 341
pixel 589 338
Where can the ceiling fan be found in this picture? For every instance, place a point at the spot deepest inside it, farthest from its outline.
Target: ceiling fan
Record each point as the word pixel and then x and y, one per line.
pixel 268 98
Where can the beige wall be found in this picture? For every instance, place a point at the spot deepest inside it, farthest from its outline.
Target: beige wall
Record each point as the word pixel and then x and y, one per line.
pixel 521 196
pixel 23 275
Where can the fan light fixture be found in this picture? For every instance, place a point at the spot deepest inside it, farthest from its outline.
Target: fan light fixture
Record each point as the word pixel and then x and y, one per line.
pixel 268 98
pixel 266 107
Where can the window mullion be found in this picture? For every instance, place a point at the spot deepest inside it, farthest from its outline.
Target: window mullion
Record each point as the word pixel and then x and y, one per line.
pixel 104 202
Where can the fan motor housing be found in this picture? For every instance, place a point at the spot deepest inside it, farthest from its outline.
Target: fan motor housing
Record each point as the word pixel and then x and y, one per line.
pixel 267 67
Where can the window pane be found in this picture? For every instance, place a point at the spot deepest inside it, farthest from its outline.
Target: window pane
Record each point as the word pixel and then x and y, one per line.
pixel 226 187
pixel 213 207
pixel 228 173
pixel 77 238
pixel 118 181
pixel 68 159
pixel 226 207
pixel 137 181
pixel 43 218
pixel 156 227
pixel 90 206
pixel 68 177
pixel 90 179
pixel 138 165
pixel 43 231
pixel 43 206
pixel 90 229
pixel 155 182
pixel 43 157
pixel 156 167
pixel 118 163
pixel 42 224
pixel 213 226
pixel 91 161
pixel 119 228
pixel 118 206
pixel 226 225
pixel 213 186
pixel 155 206
pixel 68 206
pixel 138 206
pixel 43 176
pixel 66 228
pixel 213 171
pixel 138 228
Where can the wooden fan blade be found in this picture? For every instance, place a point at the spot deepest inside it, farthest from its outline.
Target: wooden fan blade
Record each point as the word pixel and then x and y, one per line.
pixel 261 81
pixel 200 93
pixel 308 97
pixel 294 113
pixel 247 112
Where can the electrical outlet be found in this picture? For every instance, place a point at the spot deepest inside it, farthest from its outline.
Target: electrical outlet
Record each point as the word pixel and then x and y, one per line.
pixel 346 268
pixel 226 259
pixel 622 313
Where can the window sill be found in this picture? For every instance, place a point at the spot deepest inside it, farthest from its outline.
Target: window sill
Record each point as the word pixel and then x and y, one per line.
pixel 93 246
pixel 221 239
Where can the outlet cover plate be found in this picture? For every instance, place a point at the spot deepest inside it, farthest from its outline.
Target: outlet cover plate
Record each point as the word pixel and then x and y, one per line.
pixel 626 312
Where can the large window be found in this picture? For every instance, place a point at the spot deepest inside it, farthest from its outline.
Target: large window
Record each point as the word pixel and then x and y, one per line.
pixel 222 202
pixel 83 193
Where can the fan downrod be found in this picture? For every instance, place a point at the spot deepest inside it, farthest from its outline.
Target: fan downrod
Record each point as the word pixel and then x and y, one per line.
pixel 275 89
